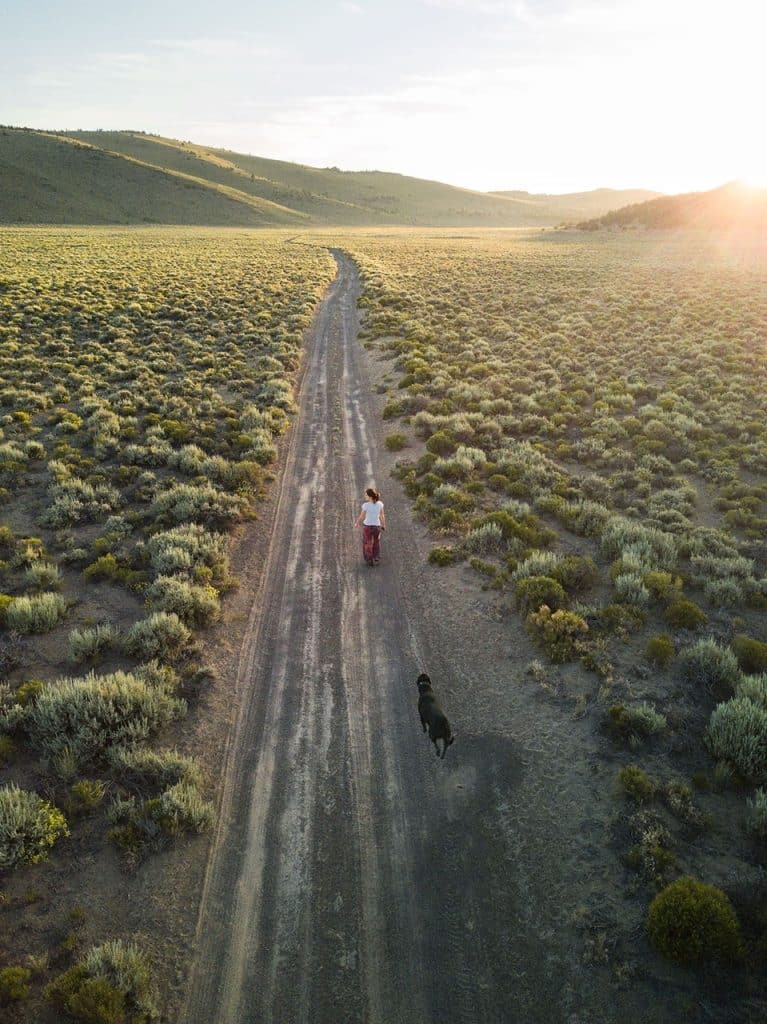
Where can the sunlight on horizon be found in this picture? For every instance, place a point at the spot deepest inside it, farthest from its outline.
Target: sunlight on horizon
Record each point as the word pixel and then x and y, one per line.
pixel 550 96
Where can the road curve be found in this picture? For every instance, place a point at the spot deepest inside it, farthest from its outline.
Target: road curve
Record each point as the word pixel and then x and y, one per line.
pixel 354 877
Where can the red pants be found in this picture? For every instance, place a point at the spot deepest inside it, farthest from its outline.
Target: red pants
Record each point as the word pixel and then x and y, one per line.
pixel 371 543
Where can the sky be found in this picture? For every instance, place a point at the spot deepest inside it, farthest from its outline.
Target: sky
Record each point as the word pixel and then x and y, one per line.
pixel 542 95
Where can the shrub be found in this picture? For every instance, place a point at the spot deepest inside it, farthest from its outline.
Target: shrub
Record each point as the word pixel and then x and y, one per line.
pixel 204 503
pixel 182 809
pixel 485 540
pixel 632 723
pixel 29 691
pixel 395 442
pixel 685 614
pixel 539 563
pixel 112 984
pixel 187 549
pixel 751 654
pixel 81 718
pixel 193 604
pixel 533 591
pixel 662 585
pixel 754 688
pixel 442 556
pixel 42 576
pixel 757 815
pixel 557 632
pixel 441 443
pixel 146 767
pixel 86 795
pixel 636 784
pixel 14 984
pixel 7 750
pixel 737 733
pixel 707 664
pixel 154 823
pixel 629 589
pixel 691 922
pixel 161 635
pixel 29 827
pixel 728 592
pixel 38 613
pixel 87 644
pixel 660 650
pixel 575 573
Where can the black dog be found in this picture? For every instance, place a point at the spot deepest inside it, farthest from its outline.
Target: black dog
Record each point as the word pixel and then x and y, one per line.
pixel 432 715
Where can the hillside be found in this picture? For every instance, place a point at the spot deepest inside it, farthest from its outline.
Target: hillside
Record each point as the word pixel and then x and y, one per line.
pixel 732 207
pixel 132 178
pixel 577 205
pixel 52 180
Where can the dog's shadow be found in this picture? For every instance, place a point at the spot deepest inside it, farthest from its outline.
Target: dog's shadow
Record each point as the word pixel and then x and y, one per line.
pixel 479 771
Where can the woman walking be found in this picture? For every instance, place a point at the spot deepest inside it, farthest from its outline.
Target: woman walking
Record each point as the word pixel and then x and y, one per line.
pixel 373 520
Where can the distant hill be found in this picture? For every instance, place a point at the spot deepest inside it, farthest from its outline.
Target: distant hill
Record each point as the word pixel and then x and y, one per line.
pixel 733 207
pixel 578 205
pixel 135 178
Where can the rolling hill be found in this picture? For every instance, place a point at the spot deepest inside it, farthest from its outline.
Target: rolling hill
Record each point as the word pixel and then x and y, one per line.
pixel 732 207
pixel 573 205
pixel 133 178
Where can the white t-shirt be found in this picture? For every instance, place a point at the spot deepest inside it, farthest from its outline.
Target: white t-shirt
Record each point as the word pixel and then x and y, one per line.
pixel 373 510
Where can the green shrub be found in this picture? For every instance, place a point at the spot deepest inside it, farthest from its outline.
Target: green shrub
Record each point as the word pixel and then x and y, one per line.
pixel 86 795
pixel 39 613
pixel 442 556
pixel 441 443
pixel 87 644
pixel 707 664
pixel 203 503
pixel 5 603
pixel 754 688
pixel 42 576
pixel 7 750
pixel 663 586
pixel 487 539
pixel 629 589
pixel 187 549
pixel 145 767
pixel 533 591
pixel 558 633
pixel 751 654
pixel 638 722
pixel 14 984
pixel 81 718
pixel 29 691
pixel 737 734
pixel 396 442
pixel 29 827
pixel 575 573
pixel 660 650
pixel 636 784
pixel 685 614
pixel 112 984
pixel 154 823
pixel 161 635
pixel 195 605
pixel 757 815
pixel 691 922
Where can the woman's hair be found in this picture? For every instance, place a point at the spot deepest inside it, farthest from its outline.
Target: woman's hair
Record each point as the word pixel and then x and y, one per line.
pixel 372 494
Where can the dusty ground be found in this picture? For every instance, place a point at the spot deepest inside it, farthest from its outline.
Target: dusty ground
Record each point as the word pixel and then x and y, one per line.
pixel 353 876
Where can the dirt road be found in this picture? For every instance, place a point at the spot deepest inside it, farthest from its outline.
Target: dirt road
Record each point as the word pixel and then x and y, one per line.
pixel 353 876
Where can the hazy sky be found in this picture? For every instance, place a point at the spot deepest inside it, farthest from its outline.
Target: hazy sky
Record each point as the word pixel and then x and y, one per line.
pixel 546 95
